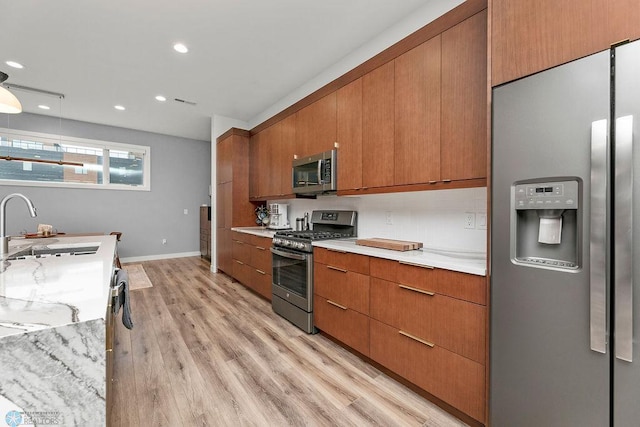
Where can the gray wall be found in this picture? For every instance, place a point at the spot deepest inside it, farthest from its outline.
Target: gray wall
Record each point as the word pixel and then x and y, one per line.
pixel 180 177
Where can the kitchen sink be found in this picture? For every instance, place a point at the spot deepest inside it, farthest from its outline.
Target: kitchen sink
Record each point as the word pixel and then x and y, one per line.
pixel 54 250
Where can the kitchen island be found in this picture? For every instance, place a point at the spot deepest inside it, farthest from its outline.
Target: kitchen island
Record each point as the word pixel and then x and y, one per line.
pixel 53 314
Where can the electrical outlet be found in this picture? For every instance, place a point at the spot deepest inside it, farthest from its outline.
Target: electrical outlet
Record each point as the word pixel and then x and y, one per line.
pixel 164 241
pixel 388 219
pixel 469 220
pixel 481 220
pixel 186 211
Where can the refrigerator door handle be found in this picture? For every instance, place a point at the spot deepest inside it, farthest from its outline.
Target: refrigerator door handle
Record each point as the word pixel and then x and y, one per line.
pixel 598 234
pixel 623 234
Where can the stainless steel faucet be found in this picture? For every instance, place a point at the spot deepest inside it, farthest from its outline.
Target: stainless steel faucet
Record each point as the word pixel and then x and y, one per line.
pixel 4 249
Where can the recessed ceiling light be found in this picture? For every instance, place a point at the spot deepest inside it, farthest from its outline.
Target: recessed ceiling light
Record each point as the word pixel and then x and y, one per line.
pixel 179 47
pixel 14 64
pixel 161 98
pixel 119 107
pixel 44 107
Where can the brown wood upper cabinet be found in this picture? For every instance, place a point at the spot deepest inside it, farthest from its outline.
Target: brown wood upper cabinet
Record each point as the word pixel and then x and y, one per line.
pixel 464 100
pixel 316 127
pixel 528 37
pixel 378 127
pixel 349 131
pixel 271 153
pixel 264 150
pixel 286 153
pixel 417 114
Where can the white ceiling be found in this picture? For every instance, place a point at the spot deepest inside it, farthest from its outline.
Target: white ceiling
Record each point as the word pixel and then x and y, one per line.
pixel 245 55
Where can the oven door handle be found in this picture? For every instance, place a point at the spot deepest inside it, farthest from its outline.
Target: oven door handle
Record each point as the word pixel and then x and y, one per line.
pixel 300 257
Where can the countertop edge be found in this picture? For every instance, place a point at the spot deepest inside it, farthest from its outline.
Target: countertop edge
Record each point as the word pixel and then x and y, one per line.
pixel 256 231
pixel 437 261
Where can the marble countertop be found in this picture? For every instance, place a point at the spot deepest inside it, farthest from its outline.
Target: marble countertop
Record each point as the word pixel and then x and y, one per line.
pixel 53 291
pixel 256 231
pixel 464 262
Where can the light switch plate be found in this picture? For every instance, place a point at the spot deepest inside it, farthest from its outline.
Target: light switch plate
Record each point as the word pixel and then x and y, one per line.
pixel 481 220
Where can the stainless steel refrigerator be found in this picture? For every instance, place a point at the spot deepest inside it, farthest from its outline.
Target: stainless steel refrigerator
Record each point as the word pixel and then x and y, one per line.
pixel 564 312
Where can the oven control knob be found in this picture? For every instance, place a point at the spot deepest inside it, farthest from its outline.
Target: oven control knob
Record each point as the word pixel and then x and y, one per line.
pixel 300 245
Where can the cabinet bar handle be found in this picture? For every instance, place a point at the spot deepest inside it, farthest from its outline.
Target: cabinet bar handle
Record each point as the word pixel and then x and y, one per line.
pixel 260 248
pixel 417 265
pixel 239 242
pixel 446 180
pixel 598 236
pixel 623 231
pixel 336 304
pixel 408 335
pixel 331 267
pixel 260 271
pixel 240 262
pixel 432 182
pixel 421 291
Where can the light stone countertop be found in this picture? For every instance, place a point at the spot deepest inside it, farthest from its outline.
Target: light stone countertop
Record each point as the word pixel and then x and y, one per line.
pixel 256 231
pixel 53 331
pixel 53 291
pixel 461 261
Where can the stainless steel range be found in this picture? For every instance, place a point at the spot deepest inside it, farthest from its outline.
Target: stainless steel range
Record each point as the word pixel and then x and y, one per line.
pixel 293 264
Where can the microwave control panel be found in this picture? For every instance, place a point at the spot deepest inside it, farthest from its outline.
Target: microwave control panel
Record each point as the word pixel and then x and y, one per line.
pixel 326 171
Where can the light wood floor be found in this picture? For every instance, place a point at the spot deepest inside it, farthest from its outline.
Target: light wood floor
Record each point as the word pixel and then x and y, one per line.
pixel 206 351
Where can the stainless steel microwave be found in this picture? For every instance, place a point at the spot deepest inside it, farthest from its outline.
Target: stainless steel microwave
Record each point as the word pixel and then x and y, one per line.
pixel 315 174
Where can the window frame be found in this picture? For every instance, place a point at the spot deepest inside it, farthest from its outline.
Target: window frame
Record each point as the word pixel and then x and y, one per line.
pixel 105 146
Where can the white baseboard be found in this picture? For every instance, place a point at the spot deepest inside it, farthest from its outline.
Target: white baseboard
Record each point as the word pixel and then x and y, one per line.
pixel 156 257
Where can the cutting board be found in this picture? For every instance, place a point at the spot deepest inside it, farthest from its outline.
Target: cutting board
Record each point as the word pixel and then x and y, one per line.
pixel 394 245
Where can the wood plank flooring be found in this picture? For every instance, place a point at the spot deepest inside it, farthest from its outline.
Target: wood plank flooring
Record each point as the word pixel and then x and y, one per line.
pixel 205 351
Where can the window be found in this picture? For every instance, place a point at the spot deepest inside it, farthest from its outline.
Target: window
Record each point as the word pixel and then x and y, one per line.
pixel 28 158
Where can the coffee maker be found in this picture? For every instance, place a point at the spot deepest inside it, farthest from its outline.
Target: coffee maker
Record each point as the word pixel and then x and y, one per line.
pixel 278 216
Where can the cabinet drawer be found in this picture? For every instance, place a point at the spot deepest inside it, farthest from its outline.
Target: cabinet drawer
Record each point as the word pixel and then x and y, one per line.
pixel 241 251
pixel 403 309
pixel 468 287
pixel 344 324
pixel 459 326
pixel 448 376
pixel 261 258
pixel 242 271
pixel 347 288
pixel 241 237
pixel 261 282
pixel 263 242
pixel 343 260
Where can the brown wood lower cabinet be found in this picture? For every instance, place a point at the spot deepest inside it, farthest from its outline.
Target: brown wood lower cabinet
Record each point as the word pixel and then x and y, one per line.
pixel 427 325
pixel 252 262
pixel 342 323
pixel 456 325
pixel 455 379
pixel 341 297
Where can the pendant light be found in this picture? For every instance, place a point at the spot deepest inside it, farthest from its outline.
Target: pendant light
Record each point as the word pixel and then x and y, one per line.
pixel 8 102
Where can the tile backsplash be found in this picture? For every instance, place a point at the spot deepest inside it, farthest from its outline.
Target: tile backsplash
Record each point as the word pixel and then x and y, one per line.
pixel 442 219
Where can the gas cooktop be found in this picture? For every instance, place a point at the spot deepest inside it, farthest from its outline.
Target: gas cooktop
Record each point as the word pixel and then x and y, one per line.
pixel 326 225
pixel 314 235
